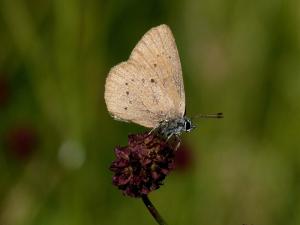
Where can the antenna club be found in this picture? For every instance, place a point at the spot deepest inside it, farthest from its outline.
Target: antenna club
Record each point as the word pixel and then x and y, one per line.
pixel 220 115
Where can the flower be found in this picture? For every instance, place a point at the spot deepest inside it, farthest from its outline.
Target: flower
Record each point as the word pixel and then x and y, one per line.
pixel 21 141
pixel 4 91
pixel 142 166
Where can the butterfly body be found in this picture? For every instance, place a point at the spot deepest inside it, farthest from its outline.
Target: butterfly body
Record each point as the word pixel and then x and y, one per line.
pixel 175 126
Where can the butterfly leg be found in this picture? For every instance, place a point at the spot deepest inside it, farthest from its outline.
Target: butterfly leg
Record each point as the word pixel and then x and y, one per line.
pixel 153 130
pixel 170 136
pixel 175 140
pixel 178 141
pixel 157 128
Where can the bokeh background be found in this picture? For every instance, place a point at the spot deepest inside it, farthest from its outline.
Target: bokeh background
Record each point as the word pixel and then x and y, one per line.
pixel 57 139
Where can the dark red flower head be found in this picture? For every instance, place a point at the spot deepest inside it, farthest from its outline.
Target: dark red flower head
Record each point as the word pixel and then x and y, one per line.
pixel 4 91
pixel 142 166
pixel 21 141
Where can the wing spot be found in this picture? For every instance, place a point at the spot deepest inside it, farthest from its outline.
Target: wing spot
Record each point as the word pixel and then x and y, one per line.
pixel 125 108
pixel 154 64
pixel 170 57
pixel 130 102
pixel 152 80
pixel 126 84
pixel 132 80
pixel 127 92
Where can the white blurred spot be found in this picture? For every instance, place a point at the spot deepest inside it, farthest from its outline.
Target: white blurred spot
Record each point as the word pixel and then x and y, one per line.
pixel 71 154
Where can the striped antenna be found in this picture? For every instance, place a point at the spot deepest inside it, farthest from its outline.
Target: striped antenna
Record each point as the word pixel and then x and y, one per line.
pixel 213 115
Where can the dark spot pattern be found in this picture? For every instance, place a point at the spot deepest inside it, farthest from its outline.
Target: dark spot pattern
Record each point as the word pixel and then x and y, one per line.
pixel 125 108
pixel 126 83
pixel 127 92
pixel 152 80
pixel 154 64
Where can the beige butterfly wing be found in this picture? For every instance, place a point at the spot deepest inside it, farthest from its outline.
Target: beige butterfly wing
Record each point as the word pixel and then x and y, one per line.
pixel 148 88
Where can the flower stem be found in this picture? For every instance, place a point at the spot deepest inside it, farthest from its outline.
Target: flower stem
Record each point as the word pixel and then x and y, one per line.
pixel 153 210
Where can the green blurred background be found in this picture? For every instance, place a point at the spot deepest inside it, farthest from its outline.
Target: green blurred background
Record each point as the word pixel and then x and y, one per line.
pixel 57 139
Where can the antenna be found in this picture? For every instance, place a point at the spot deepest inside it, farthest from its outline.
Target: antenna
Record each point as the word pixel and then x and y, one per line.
pixel 213 115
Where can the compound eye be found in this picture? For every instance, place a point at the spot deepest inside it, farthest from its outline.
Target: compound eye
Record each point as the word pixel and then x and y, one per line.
pixel 187 125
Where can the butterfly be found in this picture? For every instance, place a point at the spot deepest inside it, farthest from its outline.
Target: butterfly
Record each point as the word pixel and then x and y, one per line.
pixel 148 88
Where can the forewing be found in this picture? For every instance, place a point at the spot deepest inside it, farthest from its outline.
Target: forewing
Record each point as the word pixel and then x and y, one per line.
pixel 157 52
pixel 148 88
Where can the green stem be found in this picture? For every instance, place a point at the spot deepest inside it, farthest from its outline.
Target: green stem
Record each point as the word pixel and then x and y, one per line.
pixel 153 210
